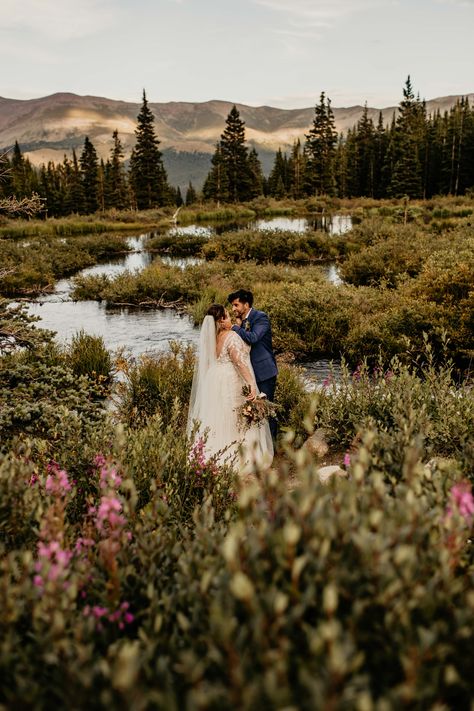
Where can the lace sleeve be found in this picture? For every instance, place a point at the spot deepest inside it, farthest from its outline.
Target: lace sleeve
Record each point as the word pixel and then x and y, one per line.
pixel 239 356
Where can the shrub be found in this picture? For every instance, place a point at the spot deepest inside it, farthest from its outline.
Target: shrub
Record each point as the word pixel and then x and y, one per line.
pixel 293 401
pixel 354 595
pixel 408 405
pixel 155 384
pixel 87 355
pixel 177 245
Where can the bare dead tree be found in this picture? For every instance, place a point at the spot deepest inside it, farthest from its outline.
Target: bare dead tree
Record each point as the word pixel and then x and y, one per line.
pixel 23 207
pixel 18 207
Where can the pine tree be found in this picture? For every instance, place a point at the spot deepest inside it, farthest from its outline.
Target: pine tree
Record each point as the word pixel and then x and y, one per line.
pixel 147 173
pixel 341 167
pixel 256 174
pixel 23 177
pixel 296 170
pixel 191 195
pixel 117 175
pixel 50 189
pixel 216 185
pixel 90 177
pixel 380 152
pixel 179 198
pixel 103 182
pixel 320 149
pixel 75 188
pixel 407 147
pixel 278 181
pixel 235 158
pixel 365 154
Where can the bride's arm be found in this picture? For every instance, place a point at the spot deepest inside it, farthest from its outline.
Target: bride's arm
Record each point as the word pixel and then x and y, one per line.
pixel 239 357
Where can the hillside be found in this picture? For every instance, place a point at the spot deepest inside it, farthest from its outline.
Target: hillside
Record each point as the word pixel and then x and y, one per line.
pixel 48 127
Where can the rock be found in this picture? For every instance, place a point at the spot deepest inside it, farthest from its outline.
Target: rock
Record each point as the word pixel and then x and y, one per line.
pixel 317 444
pixel 325 473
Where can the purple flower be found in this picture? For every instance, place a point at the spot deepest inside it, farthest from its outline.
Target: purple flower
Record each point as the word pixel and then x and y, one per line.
pixel 462 501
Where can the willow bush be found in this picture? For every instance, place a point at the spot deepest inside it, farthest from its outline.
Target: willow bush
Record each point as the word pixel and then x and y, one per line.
pixel 37 264
pixel 356 595
pixel 134 572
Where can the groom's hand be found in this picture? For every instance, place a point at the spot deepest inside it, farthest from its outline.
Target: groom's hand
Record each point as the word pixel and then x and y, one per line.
pixel 238 321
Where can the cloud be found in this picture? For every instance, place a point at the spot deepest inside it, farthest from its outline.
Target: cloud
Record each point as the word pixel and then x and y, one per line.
pixel 459 3
pixel 318 14
pixel 58 19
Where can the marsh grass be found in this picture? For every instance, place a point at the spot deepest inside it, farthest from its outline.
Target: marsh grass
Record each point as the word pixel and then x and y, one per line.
pixel 176 245
pixel 215 214
pixel 87 355
pixel 156 384
pixel 64 227
pixel 32 267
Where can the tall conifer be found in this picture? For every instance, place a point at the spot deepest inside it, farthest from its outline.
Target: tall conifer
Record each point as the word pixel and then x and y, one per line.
pixel 320 149
pixel 90 176
pixel 147 173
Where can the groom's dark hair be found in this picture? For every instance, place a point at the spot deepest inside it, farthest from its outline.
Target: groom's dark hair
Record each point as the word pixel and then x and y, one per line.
pixel 244 296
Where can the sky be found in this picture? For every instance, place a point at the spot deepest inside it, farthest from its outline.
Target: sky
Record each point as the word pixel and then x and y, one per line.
pixel 258 52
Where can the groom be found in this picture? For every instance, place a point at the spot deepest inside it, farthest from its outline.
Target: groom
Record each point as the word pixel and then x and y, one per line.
pixel 254 328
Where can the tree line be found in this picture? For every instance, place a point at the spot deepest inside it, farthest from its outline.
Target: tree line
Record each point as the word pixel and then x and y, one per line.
pixel 85 184
pixel 416 155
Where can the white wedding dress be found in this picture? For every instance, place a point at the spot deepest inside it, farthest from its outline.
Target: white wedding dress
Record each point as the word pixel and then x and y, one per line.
pixel 217 393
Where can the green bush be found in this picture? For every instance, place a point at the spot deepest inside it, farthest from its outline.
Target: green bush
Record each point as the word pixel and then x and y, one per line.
pixel 177 245
pixel 275 246
pixel 293 401
pixel 408 405
pixel 87 355
pixel 36 265
pixel 155 384
pixel 355 595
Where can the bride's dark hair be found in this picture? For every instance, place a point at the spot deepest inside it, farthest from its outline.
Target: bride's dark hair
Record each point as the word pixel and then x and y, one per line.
pixel 217 311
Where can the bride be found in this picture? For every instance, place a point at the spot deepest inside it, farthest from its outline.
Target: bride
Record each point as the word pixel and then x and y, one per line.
pixel 222 369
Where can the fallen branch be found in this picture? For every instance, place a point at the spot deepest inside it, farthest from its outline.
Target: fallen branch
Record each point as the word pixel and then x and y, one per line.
pixel 178 305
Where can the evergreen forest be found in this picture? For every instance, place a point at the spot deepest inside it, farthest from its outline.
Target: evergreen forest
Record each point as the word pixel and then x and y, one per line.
pixel 416 156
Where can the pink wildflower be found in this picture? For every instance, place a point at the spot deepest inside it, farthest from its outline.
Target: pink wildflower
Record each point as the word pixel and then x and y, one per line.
pixel 347 460
pixel 99 460
pixel 109 516
pixel 462 501
pixel 83 543
pixel 57 482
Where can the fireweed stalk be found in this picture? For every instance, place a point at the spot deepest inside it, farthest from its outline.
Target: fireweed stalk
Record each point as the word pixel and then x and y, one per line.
pixel 459 519
pixel 111 527
pixel 200 466
pixel 52 565
pixel 102 538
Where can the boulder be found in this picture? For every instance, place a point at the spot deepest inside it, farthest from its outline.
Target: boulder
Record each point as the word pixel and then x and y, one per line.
pixel 317 444
pixel 325 473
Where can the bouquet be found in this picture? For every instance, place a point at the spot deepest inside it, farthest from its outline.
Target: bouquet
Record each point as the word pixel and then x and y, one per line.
pixel 254 412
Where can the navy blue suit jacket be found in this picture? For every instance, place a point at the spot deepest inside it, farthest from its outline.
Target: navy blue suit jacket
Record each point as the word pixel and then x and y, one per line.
pixel 259 336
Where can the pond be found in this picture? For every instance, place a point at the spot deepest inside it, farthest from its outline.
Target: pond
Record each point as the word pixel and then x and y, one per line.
pixel 138 330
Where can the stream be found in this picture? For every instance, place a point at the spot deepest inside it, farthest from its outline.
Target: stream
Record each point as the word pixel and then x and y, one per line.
pixel 141 331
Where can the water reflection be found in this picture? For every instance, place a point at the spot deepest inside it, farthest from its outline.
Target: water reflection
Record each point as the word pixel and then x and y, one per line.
pixel 332 224
pixel 194 230
pixel 281 224
pixel 319 373
pixel 181 262
pixel 138 331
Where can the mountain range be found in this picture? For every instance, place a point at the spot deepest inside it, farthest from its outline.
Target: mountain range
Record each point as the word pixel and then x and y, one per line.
pixel 51 126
